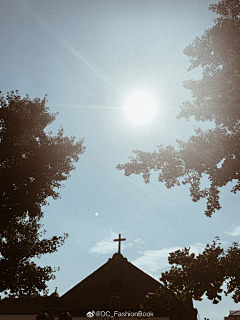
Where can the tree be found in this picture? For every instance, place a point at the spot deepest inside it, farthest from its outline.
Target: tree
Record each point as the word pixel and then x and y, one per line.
pixel 160 301
pixel 195 275
pixel 213 153
pixel 33 164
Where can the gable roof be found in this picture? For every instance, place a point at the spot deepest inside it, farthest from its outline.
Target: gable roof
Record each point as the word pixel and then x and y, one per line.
pixel 117 283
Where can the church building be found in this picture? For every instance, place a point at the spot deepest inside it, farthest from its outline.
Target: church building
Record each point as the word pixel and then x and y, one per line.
pixel 115 290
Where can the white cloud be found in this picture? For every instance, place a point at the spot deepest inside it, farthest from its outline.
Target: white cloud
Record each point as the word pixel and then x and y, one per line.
pixel 139 240
pixel 235 232
pixel 197 248
pixel 106 245
pixel 152 261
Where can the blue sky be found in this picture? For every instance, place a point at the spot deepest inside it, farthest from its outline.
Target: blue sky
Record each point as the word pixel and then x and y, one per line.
pixel 88 57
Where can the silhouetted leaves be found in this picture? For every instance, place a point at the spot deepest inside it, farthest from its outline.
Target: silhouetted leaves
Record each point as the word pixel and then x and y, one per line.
pixel 211 273
pixel 33 163
pixel 213 153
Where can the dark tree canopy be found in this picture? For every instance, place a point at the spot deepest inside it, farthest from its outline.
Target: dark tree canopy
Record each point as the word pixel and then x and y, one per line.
pixel 216 97
pixel 161 301
pixel 213 272
pixel 33 164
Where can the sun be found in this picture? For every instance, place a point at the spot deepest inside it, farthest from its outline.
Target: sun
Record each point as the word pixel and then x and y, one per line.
pixel 140 108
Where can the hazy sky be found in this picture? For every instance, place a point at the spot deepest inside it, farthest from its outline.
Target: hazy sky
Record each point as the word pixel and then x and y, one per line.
pixel 88 57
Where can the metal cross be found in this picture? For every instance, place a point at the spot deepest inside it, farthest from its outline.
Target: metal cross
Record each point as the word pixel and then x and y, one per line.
pixel 119 242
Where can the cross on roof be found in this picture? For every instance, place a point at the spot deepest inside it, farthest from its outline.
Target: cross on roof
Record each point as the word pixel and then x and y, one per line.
pixel 119 242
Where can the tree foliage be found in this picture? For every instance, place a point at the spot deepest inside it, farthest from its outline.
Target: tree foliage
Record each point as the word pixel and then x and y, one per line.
pixel 213 272
pixel 162 301
pixel 33 163
pixel 216 97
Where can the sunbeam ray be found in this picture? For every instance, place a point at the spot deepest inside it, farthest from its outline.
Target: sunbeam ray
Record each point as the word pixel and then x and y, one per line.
pixel 74 51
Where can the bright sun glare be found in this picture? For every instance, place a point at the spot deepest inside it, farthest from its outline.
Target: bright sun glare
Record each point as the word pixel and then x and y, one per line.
pixel 140 108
